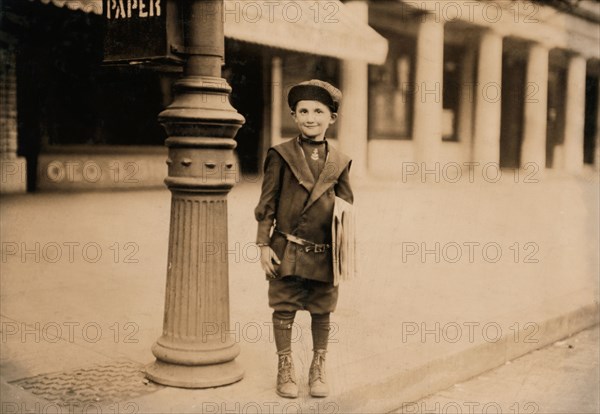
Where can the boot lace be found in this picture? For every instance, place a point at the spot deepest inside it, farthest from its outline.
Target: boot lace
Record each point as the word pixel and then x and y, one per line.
pixel 316 369
pixel 285 368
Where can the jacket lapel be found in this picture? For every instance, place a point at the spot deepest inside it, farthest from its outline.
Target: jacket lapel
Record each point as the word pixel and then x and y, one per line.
pixel 335 164
pixel 291 152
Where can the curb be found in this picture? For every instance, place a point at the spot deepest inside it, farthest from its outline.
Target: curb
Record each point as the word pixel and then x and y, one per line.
pixel 404 388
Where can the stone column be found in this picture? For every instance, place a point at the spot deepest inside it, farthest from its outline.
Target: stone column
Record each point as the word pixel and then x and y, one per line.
pixel 353 123
pixel 195 349
pixel 533 147
pixel 429 78
pixel 575 114
pixel 277 100
pixel 488 95
pixel 12 167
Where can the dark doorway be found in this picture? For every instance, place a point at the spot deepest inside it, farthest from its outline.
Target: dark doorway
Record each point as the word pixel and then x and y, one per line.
pixel 591 119
pixel 244 71
pixel 557 78
pixel 513 97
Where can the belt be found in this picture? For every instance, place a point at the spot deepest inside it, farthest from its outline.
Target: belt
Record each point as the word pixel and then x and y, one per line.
pixel 307 244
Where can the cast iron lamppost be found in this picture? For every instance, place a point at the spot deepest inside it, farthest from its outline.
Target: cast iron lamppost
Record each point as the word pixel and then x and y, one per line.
pixel 195 349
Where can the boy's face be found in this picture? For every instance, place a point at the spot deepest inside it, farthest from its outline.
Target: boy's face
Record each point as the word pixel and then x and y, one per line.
pixel 313 118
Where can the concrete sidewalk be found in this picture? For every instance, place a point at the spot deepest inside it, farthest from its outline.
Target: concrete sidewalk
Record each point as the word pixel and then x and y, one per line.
pixel 561 378
pixel 455 279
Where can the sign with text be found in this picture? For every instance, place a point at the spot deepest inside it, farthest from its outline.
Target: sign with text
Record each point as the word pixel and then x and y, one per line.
pixel 135 30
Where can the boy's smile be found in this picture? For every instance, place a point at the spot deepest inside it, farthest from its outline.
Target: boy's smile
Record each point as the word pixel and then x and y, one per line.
pixel 313 118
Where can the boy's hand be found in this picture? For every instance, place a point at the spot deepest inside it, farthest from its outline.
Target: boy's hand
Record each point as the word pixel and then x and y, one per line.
pixel 267 260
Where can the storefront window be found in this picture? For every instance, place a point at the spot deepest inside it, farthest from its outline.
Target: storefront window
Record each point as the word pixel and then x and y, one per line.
pixel 391 95
pixel 67 96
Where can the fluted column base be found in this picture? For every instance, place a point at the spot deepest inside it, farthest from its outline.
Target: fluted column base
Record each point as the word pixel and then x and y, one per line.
pixel 194 376
pixel 195 349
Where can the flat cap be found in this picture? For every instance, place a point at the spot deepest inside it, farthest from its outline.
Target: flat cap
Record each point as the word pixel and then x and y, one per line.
pixel 315 90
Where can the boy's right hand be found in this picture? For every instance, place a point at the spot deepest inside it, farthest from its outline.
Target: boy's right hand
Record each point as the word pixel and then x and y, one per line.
pixel 268 259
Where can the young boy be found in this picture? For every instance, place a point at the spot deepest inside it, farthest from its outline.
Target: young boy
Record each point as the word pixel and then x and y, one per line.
pixel 302 177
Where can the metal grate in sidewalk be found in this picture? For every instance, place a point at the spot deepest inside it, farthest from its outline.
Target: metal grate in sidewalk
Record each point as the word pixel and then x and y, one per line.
pixel 96 385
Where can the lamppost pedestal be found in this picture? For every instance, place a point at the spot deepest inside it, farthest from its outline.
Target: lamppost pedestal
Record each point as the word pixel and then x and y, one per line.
pixel 195 349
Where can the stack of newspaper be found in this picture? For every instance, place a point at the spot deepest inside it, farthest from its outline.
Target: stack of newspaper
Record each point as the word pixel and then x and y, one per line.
pixel 343 241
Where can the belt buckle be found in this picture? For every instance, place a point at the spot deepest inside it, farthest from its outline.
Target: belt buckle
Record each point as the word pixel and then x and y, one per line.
pixel 319 248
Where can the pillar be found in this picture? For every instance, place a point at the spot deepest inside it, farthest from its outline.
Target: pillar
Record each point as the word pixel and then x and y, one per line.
pixel 429 78
pixel 277 100
pixel 488 95
pixel 195 349
pixel 574 114
pixel 533 146
pixel 12 167
pixel 353 123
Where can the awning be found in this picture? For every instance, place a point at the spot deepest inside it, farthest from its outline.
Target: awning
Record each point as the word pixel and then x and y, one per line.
pixel 321 27
pixel 88 6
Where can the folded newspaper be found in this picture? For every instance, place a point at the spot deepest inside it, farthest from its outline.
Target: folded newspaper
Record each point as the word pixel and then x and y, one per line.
pixel 343 241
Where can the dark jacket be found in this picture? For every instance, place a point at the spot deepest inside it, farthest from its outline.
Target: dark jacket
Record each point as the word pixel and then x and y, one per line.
pixel 292 202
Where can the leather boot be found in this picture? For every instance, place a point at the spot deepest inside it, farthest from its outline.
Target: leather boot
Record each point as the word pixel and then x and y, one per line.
pixel 286 377
pixel 316 377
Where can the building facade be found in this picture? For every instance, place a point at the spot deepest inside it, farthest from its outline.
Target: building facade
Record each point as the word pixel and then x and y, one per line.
pixel 504 82
pixel 426 83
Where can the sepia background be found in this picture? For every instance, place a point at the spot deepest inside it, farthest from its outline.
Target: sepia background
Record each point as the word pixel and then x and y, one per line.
pixel 474 132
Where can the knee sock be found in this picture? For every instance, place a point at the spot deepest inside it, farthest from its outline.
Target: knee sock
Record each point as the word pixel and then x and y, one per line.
pixel 320 330
pixel 282 330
